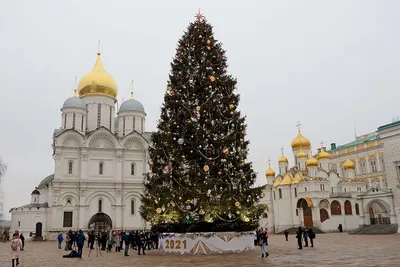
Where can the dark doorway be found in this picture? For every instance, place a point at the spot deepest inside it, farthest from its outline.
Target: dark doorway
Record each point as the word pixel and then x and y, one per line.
pixel 100 222
pixel 307 212
pixel 323 214
pixel 39 229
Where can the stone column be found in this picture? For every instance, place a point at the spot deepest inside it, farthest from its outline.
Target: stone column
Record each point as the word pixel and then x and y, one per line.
pixel 81 206
pixel 119 165
pixel 358 171
pixel 316 217
pixel 367 163
pixel 378 163
pixel 118 210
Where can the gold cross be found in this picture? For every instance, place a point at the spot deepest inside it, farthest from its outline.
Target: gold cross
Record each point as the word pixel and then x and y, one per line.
pixel 298 125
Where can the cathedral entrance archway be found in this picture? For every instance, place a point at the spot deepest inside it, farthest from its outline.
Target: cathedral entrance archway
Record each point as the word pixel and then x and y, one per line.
pixel 38 229
pixel 304 205
pixel 100 222
pixel 379 212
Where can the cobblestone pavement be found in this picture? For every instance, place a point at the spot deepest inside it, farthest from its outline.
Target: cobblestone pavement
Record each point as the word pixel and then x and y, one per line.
pixel 338 250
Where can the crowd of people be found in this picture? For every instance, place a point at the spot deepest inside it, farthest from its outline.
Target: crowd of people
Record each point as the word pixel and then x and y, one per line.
pixel 109 241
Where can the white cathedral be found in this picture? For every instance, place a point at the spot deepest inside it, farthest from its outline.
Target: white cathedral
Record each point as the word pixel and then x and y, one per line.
pixel 100 159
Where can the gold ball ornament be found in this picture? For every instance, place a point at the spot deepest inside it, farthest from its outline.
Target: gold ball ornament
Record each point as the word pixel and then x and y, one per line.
pixel 202 212
pixel 206 168
pixel 255 204
pixel 237 204
pixel 231 106
pixel 198 108
pixel 158 210
pixel 237 212
pixel 219 172
pixel 198 116
pixel 212 78
pixel 156 201
pixel 208 41
pixel 226 150
pixel 169 88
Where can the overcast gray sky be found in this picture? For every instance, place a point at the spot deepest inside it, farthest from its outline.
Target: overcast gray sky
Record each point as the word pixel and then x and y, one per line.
pixel 327 64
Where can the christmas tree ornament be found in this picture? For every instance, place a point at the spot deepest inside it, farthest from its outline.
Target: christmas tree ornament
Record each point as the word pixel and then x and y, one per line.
pixel 206 168
pixel 198 108
pixel 180 141
pixel 158 210
pixel 212 78
pixel 237 204
pixel 208 41
pixel 201 212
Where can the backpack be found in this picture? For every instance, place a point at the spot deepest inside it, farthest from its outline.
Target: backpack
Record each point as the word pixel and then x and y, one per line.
pixel 14 244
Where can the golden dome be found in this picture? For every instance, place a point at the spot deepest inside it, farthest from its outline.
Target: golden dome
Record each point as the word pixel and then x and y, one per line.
pixel 312 162
pixel 277 182
pixel 270 172
pixel 300 142
pixel 349 165
pixel 287 179
pixel 97 82
pixel 301 154
pixel 323 155
pixel 283 159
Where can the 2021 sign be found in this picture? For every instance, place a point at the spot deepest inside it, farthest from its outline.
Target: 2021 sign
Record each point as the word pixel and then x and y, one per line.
pixel 175 244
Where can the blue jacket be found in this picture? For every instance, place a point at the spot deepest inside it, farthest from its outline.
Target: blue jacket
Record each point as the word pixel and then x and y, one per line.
pixel 60 238
pixel 80 239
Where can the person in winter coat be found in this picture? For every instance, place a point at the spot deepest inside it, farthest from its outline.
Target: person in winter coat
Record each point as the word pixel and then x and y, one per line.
pixel 264 244
pixel 60 239
pixel 286 233
pixel 311 235
pixel 110 241
pixel 299 235
pixel 117 242
pixel 67 241
pixel 22 237
pixel 80 241
pixel 16 245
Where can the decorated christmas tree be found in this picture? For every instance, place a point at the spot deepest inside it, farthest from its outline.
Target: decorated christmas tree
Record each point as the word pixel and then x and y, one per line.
pixel 199 171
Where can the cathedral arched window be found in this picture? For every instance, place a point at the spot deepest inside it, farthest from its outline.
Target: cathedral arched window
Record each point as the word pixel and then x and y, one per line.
pixel 265 215
pixel 373 165
pixel 100 205
pixel 82 123
pixel 101 168
pixel 347 208
pixel 133 169
pixel 110 117
pixel 295 192
pixel 382 164
pixel 98 115
pixel 133 123
pixel 142 126
pixel 280 193
pixel 70 166
pixel 65 120
pixel 132 206
pixel 336 208
pixel 357 209
pixel 362 167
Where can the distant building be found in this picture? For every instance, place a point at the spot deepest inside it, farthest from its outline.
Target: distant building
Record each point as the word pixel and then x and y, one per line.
pixel 345 186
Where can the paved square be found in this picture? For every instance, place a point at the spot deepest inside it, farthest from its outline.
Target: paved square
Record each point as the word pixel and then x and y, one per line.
pixel 339 249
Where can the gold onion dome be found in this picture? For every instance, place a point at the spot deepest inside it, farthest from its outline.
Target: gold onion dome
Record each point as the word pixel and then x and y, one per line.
pixel 312 162
pixel 270 172
pixel 300 142
pixel 98 82
pixel 302 154
pixel 324 155
pixel 349 165
pixel 287 179
pixel 283 159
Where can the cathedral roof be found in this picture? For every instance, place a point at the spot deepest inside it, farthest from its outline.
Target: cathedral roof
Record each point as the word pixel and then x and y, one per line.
pixel 74 102
pixel 35 192
pixel 98 82
pixel 131 105
pixel 300 142
pixel 46 181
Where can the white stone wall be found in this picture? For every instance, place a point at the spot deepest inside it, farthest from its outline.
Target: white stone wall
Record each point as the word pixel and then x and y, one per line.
pixel 107 104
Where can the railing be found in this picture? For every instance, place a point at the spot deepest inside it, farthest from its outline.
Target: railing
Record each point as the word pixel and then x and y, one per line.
pixel 340 194
pixel 380 220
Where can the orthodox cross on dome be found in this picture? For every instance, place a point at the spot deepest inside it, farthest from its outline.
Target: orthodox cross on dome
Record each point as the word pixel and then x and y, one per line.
pixel 282 149
pixel 199 16
pixel 75 91
pixel 269 162
pixel 322 143
pixel 298 125
pixel 98 49
pixel 132 89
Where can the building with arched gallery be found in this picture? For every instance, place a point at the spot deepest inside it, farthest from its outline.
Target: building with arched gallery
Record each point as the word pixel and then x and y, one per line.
pixel 344 185
pixel 100 156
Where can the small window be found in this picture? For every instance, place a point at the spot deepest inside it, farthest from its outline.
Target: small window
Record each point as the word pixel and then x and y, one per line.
pixel 82 123
pixel 134 123
pixel 142 125
pixel 19 223
pixel 73 121
pixel 65 121
pixel 280 193
pixel 34 200
pixel 295 192
pixel 98 115
pixel 101 168
pixel 100 205
pixel 132 206
pixel 123 126
pixel 133 169
pixel 70 167
pixel 274 195
pixel 305 189
pixel 358 189
pixel 344 189
pixel 265 215
pixel 297 212
pixel 357 209
pixel 335 208
pixel 110 117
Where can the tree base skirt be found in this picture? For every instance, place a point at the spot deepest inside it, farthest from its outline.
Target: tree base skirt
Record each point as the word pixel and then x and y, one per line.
pixel 206 243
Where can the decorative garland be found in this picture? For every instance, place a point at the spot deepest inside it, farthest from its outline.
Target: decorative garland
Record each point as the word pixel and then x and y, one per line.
pixel 206 235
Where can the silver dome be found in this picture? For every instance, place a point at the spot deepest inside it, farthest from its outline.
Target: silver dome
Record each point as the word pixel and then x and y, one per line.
pixel 74 102
pixel 131 105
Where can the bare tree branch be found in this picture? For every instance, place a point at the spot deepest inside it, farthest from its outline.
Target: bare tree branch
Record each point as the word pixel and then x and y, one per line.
pixel 3 168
